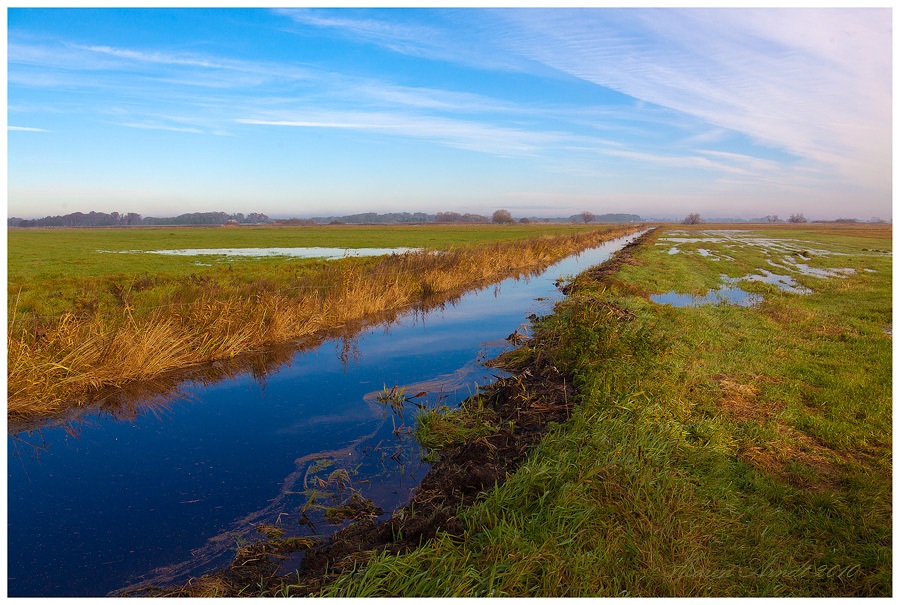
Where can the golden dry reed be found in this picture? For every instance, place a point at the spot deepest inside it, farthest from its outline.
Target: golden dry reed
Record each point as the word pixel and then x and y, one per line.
pixel 64 363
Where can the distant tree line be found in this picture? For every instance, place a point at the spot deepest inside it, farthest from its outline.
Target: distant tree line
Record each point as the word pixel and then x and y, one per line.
pixel 589 217
pixel 374 217
pixel 456 217
pixel 79 219
pixel 114 219
pixel 208 218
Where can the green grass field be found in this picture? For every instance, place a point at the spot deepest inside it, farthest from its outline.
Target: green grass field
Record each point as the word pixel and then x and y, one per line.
pixel 716 450
pixel 54 271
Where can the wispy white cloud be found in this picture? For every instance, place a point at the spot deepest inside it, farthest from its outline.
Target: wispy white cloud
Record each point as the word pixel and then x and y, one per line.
pixel 26 128
pixel 61 56
pixel 206 62
pixel 677 161
pixel 161 127
pixel 403 37
pixel 310 124
pixel 465 43
pixel 81 57
pixel 750 163
pixel 813 82
pixel 379 91
pixel 463 134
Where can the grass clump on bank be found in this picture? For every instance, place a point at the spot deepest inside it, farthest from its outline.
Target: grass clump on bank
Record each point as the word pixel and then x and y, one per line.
pixel 125 329
pixel 714 450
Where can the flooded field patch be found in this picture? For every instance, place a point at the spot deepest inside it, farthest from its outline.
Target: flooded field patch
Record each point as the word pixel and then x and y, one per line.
pixel 789 259
pixel 302 252
pixel 728 293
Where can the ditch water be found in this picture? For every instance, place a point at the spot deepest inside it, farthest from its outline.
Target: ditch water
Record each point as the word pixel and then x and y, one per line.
pixel 104 503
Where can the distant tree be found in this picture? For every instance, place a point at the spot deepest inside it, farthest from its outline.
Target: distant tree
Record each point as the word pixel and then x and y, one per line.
pixel 503 217
pixel 468 217
pixel 525 220
pixel 618 218
pixel 876 219
pixel 588 216
pixel 448 217
pixel 692 219
pixel 256 218
pixel 773 218
pixel 797 218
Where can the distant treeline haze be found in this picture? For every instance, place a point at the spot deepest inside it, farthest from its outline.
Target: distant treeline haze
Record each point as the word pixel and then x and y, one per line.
pixel 115 219
pixel 102 219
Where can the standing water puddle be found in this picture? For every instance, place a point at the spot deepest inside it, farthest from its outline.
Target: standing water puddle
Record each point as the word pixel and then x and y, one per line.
pixel 304 252
pixel 159 497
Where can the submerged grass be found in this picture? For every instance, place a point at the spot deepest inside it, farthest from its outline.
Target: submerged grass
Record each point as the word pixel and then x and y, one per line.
pixel 714 451
pixel 123 329
pixel 439 428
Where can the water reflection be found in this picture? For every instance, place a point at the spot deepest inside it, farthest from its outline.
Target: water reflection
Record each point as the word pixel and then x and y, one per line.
pixel 784 283
pixel 162 483
pixel 727 295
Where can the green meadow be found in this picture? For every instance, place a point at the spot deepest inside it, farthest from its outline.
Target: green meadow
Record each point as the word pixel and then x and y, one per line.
pixel 715 450
pixel 55 271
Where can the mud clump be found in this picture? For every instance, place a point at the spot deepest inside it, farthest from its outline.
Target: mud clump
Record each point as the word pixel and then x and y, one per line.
pixel 356 508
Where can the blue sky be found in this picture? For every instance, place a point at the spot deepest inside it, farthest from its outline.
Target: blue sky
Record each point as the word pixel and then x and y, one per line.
pixel 546 112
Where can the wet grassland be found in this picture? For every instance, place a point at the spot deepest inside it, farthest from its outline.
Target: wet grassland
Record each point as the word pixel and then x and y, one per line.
pixel 93 310
pixel 734 446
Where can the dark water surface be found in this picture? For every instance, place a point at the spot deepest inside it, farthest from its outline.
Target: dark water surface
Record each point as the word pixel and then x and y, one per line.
pixel 102 504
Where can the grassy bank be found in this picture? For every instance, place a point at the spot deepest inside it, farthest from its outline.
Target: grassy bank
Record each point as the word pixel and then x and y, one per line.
pixel 714 450
pixel 129 324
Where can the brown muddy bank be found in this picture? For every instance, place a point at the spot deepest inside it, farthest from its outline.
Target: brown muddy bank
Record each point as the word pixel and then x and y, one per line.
pixel 523 405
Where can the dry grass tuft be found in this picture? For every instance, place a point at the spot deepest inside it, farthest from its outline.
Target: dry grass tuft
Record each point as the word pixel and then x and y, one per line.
pixel 741 401
pixel 792 450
